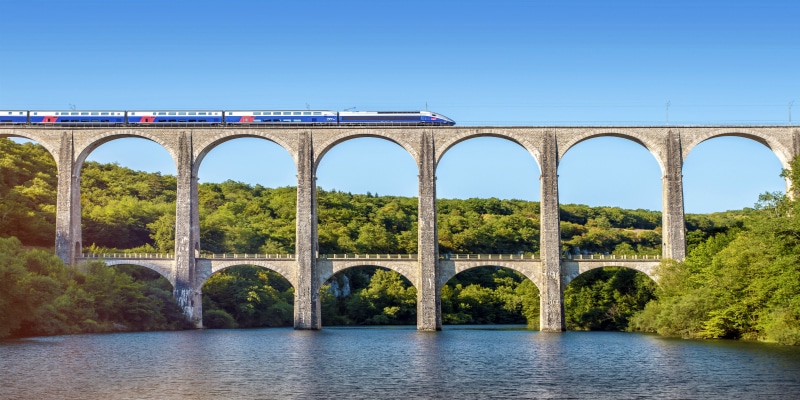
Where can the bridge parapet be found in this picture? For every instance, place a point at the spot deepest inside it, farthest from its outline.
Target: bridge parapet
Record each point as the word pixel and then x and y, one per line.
pixel 590 257
pixel 518 257
pixel 226 256
pixel 367 257
pixel 131 256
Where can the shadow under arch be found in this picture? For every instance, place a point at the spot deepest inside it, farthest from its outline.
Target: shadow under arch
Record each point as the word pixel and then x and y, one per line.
pixel 491 293
pixel 400 136
pixel 605 297
pixel 646 141
pixel 524 140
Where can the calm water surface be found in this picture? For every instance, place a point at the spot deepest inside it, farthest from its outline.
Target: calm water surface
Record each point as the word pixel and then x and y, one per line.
pixel 392 363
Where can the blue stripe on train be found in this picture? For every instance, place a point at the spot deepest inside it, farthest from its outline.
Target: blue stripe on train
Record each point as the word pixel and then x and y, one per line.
pixel 77 119
pixel 13 119
pixel 177 119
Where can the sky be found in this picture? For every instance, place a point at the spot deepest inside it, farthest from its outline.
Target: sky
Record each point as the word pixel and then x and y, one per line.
pixel 479 63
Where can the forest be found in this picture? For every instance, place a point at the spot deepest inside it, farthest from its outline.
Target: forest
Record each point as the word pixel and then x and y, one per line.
pixel 126 210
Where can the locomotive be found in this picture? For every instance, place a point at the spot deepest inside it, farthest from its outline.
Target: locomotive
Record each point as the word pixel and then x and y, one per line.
pixel 211 117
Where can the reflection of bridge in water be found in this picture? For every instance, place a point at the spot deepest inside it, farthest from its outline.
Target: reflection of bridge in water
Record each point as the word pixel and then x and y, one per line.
pixel 187 269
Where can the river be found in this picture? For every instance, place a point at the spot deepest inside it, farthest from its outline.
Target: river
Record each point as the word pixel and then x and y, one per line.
pixel 461 362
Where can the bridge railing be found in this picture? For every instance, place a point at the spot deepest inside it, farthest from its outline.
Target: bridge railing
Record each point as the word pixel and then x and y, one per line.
pixel 488 256
pixel 250 256
pixel 573 257
pixel 157 256
pixel 368 256
pixel 588 257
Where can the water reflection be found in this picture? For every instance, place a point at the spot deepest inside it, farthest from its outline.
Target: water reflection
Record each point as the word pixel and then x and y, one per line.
pixel 459 362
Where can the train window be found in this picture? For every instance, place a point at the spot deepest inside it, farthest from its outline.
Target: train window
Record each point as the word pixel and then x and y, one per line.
pixel 256 112
pixel 172 113
pixel 161 113
pixel 182 113
pixel 267 113
pixel 84 113
pixel 192 113
pixel 35 113
pixel 297 113
pixel 317 113
pixel 94 113
pixel 287 113
pixel 307 113
pixel 104 113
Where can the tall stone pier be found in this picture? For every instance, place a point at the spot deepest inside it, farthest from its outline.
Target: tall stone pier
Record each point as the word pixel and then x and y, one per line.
pixel 429 301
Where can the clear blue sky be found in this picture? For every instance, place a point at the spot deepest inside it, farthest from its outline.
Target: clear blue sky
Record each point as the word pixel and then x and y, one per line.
pixel 480 63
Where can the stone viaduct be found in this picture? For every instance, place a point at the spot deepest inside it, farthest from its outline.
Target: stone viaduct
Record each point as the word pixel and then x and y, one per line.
pixel 187 271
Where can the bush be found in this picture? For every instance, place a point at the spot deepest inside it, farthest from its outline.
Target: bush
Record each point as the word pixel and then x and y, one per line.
pixel 218 319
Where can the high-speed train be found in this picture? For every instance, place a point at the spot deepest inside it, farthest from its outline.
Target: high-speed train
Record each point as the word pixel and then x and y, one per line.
pixel 210 117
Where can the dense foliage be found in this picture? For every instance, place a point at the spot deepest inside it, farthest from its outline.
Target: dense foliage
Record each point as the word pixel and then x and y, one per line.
pixel 39 295
pixel 27 193
pixel 742 283
pixel 605 299
pixel 490 296
pixel 246 296
pixel 744 252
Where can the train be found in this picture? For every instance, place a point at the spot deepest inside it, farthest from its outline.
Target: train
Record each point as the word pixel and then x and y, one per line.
pixel 211 117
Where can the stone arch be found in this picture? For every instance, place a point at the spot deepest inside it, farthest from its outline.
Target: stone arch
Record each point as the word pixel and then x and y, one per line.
pixel 648 269
pixel 406 269
pixel 781 149
pixel 278 268
pixel 49 142
pixel 162 270
pixel 649 142
pixel 406 138
pixel 90 143
pixel 528 139
pixel 528 270
pixel 206 145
